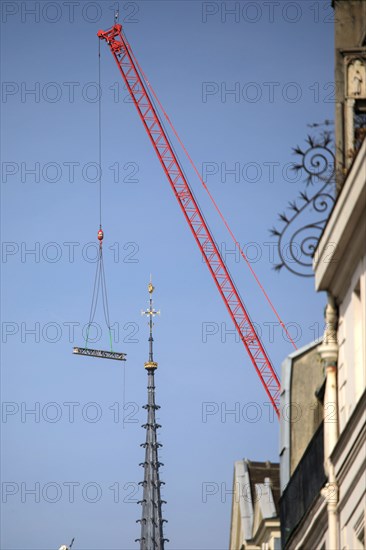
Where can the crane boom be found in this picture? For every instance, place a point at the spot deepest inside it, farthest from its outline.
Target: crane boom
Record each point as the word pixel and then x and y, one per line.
pixel 181 188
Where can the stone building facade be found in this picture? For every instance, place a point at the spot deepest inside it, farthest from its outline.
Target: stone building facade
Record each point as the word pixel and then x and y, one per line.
pixel 323 501
pixel 322 504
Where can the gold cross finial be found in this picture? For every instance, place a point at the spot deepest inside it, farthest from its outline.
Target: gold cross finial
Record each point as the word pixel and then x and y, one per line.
pixel 150 287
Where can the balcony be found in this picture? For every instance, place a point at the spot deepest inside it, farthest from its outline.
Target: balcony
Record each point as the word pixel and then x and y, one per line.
pixel 304 486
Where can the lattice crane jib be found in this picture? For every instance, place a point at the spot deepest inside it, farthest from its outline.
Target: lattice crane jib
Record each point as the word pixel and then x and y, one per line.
pixel 151 120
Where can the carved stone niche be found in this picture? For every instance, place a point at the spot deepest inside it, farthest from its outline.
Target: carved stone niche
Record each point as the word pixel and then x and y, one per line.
pixel 356 77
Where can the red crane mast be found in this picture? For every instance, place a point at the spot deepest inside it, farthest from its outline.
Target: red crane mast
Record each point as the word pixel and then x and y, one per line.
pixel 181 188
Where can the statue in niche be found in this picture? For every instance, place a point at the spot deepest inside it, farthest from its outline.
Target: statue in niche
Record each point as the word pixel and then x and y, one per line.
pixel 357 79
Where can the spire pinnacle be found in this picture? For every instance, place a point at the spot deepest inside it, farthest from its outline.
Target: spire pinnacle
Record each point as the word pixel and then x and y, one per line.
pixel 150 313
pixel 152 537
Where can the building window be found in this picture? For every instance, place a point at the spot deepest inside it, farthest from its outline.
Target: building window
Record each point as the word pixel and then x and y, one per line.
pixel 361 536
pixel 357 338
pixel 359 127
pixel 359 529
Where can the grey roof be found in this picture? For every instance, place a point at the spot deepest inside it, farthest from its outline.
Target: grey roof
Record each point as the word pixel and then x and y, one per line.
pixel 258 486
pixel 258 472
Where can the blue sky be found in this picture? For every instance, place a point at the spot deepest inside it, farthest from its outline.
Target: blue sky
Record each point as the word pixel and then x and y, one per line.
pixel 74 452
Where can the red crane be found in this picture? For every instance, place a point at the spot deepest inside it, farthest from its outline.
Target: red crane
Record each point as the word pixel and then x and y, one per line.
pixel 137 88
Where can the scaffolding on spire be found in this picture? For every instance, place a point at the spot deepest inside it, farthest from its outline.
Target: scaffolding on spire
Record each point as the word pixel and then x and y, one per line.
pixel 152 536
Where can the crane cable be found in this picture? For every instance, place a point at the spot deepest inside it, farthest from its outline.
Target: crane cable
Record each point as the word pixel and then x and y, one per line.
pixel 202 214
pixel 100 285
pixel 100 135
pixel 235 241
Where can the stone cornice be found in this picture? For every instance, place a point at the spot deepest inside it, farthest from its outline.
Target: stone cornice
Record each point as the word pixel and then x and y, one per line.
pixel 342 241
pixel 267 528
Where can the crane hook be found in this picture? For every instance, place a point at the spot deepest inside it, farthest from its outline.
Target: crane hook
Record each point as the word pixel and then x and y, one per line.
pixel 100 236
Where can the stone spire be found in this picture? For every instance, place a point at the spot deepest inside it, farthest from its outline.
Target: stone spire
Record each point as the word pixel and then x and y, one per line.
pixel 152 537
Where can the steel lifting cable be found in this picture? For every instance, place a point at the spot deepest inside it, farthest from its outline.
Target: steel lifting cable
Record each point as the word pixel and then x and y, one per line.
pixel 100 284
pixel 105 300
pixel 93 306
pixel 100 136
pixel 235 241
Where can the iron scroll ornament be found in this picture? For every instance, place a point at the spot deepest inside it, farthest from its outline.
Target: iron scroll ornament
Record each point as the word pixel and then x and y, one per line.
pixel 308 214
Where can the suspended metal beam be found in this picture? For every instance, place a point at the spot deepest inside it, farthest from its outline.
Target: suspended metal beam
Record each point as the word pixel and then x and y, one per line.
pixel 100 353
